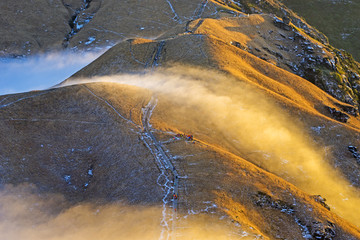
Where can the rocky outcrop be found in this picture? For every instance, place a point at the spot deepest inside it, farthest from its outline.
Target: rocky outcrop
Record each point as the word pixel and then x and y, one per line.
pixel 80 16
pixel 310 228
pixel 280 10
pixel 338 20
pixel 322 201
pixel 354 152
pixel 283 24
pixel 338 115
pixel 333 70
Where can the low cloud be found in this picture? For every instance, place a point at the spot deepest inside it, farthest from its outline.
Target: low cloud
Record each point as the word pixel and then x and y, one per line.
pixel 250 124
pixel 41 71
pixel 216 105
pixel 25 214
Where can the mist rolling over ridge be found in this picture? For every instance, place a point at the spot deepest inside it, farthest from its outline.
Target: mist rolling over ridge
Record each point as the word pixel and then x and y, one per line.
pixel 205 119
pixel 41 71
pixel 239 118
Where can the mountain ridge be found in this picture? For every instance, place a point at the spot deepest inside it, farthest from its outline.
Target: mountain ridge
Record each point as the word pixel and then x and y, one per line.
pixel 206 117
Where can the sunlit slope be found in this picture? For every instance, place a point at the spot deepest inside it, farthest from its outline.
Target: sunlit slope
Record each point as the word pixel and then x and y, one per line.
pixel 309 150
pixel 77 24
pixel 289 43
pixel 266 37
pixel 30 27
pixel 99 127
pixel 213 48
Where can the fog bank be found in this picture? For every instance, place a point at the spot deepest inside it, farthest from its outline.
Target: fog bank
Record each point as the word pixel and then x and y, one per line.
pixel 25 214
pixel 41 71
pixel 218 105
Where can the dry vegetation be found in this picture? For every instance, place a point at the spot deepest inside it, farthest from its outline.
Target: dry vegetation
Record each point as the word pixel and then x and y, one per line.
pixel 337 19
pixel 267 141
pixel 88 134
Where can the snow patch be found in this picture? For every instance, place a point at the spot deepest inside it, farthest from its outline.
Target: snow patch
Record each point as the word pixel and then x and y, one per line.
pixel 90 40
pixel 67 179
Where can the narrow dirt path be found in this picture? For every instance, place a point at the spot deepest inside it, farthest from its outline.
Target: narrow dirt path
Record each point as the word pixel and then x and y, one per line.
pixel 176 17
pixel 168 178
pixel 200 9
pixel 167 170
pixel 111 106
pixel 21 99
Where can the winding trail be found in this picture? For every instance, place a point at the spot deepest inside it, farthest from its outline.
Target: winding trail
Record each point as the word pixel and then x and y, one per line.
pixel 200 9
pixel 21 99
pixel 130 41
pixel 166 168
pixel 176 17
pixel 111 106
pixel 168 178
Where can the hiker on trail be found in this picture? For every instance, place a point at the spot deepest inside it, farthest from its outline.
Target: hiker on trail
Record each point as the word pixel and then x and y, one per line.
pixel 175 196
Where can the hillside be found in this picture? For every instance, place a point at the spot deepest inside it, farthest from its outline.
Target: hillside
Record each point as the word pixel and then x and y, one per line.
pixel 206 120
pixel 97 142
pixel 85 25
pixel 337 19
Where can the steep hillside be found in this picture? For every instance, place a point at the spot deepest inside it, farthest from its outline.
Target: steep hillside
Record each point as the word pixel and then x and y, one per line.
pixel 45 25
pixel 257 34
pixel 206 120
pixel 339 67
pixel 337 19
pixel 100 150
pixel 80 25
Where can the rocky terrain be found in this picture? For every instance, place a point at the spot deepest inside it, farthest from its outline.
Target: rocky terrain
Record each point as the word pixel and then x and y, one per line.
pixel 295 45
pixel 235 116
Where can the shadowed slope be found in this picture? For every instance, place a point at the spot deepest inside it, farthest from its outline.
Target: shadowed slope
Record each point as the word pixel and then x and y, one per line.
pixel 105 140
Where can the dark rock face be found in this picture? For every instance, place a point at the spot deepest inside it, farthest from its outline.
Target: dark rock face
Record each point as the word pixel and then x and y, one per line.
pixel 338 115
pixel 264 200
pixel 349 109
pixel 322 231
pixel 286 20
pixel 321 200
pixel 355 153
pixel 282 24
pixel 328 73
pixel 280 10
pixel 239 45
pixel 332 70
pixel 310 228
pixel 80 17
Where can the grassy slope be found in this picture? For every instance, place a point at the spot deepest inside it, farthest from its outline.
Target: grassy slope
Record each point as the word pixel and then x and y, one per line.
pixel 27 28
pixel 125 170
pixel 299 97
pixel 32 27
pixel 337 19
pixel 66 131
pixel 217 166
